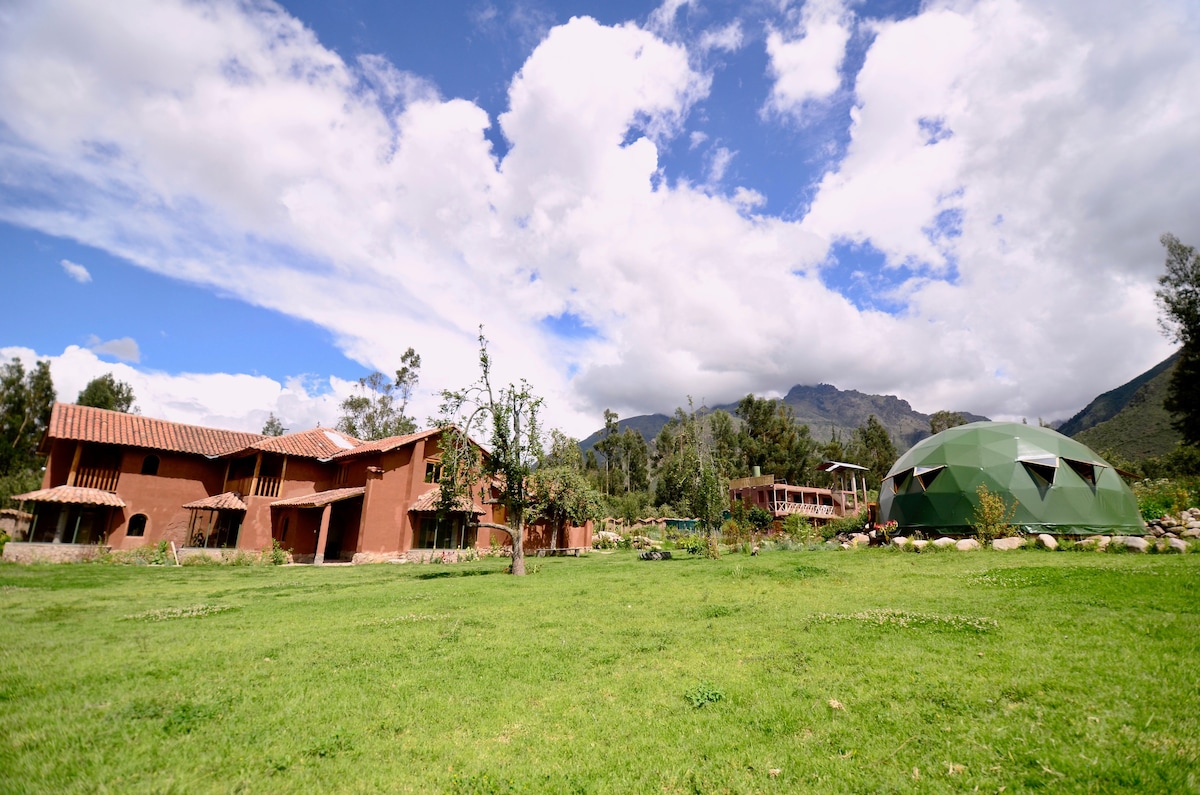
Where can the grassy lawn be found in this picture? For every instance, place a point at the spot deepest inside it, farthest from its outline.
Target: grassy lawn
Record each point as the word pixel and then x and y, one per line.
pixel 846 671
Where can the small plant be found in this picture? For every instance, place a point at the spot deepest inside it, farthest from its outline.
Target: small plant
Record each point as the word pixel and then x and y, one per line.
pixel 275 555
pixel 712 550
pixel 993 516
pixel 798 528
pixel 4 539
pixel 702 694
pixel 693 544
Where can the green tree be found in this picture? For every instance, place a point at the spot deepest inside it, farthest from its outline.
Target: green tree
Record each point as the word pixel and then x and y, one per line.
pixel 376 409
pixel 873 448
pixel 106 392
pixel 771 440
pixel 609 446
pixel 508 416
pixel 941 420
pixel 273 426
pixel 562 496
pixel 26 402
pixel 686 477
pixel 1179 298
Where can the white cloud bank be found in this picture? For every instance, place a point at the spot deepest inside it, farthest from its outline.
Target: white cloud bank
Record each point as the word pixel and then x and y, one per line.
pixel 222 144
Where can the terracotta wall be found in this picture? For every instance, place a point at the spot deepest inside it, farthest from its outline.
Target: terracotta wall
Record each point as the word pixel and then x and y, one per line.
pixel 180 479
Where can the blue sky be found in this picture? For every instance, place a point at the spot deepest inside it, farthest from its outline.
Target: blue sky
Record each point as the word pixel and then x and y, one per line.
pixel 241 208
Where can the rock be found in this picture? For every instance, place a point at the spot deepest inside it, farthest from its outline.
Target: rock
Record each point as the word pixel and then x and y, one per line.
pixel 943 542
pixel 1177 545
pixel 1193 524
pixel 1191 532
pixel 1012 542
pixel 1048 541
pixel 860 539
pixel 1099 542
pixel 966 545
pixel 1167 521
pixel 919 544
pixel 1135 543
pixel 1170 535
pixel 900 542
pixel 1157 530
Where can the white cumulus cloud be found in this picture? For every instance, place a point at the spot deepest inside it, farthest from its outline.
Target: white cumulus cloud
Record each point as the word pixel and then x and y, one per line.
pixel 76 271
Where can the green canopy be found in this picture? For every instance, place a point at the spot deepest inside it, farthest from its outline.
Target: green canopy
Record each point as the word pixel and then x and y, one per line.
pixel 1059 486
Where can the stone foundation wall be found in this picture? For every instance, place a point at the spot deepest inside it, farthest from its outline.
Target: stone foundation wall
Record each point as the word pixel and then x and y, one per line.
pixel 24 552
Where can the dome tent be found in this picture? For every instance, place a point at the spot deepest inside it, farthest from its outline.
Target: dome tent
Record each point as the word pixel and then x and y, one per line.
pixel 1059 486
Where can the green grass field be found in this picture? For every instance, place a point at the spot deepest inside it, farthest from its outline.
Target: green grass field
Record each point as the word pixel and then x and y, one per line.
pixel 838 671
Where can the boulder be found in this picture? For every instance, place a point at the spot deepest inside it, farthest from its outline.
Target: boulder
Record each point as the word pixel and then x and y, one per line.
pixel 1177 545
pixel 1048 541
pixel 900 542
pixel 1136 543
pixel 1012 542
pixel 919 544
pixel 966 544
pixel 860 539
pixel 943 542
pixel 1191 532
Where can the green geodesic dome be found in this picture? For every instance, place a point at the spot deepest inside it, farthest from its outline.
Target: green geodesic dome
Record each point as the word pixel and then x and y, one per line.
pixel 1059 486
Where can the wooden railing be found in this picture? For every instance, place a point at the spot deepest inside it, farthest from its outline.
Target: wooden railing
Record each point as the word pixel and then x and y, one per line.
pixel 804 508
pixel 97 478
pixel 267 487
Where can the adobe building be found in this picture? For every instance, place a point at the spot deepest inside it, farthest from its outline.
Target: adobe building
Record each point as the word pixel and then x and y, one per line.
pixel 126 481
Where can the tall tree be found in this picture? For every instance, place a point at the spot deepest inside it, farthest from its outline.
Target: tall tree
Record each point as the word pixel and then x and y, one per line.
pixel 509 416
pixel 26 401
pixel 771 439
pixel 686 476
pixel 1179 298
pixel 376 409
pixel 106 392
pixel 941 420
pixel 610 447
pixel 273 426
pixel 872 447
pixel 635 461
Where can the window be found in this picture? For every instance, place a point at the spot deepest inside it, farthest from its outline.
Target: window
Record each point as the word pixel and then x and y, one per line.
pixel 137 523
pixel 283 534
pixel 1085 469
pixel 150 465
pixel 343 473
pixel 433 471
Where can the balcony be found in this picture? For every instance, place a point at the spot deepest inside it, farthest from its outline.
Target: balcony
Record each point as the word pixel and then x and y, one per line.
pixel 802 508
pixel 102 478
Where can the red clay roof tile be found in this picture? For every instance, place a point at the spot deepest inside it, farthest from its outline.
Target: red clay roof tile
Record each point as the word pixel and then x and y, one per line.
pixel 87 424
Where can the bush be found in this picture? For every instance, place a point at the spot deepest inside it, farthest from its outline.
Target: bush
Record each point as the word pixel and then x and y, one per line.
pixel 798 528
pixel 993 516
pixel 4 539
pixel 1161 497
pixel 853 523
pixel 275 554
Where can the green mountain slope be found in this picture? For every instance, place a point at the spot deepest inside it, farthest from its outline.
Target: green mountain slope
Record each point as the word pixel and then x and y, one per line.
pixel 1135 425
pixel 1113 402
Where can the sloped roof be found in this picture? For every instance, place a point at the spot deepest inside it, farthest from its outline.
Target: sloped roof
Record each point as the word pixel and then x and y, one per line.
pixel 226 501
pixel 425 503
pixel 384 445
pixel 74 495
pixel 321 498
pixel 315 443
pixel 87 424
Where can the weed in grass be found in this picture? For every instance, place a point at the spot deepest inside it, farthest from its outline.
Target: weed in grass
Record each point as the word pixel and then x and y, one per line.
pixel 483 784
pixel 907 620
pixel 168 613
pixel 701 694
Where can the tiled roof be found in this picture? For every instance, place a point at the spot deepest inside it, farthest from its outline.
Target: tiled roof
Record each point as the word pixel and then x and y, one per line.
pixel 317 443
pixel 425 503
pixel 226 501
pixel 385 445
pixel 83 423
pixel 74 495
pixel 321 498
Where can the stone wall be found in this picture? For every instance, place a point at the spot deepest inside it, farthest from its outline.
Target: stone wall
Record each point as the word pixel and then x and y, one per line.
pixel 24 552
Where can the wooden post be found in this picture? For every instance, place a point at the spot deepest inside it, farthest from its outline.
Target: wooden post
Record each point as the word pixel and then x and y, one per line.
pixel 323 536
pixel 75 463
pixel 254 478
pixel 225 480
pixel 282 476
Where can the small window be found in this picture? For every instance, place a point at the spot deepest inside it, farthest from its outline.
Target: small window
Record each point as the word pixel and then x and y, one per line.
pixel 1087 470
pixel 137 525
pixel 343 473
pixel 433 472
pixel 150 465
pixel 926 475
pixel 283 534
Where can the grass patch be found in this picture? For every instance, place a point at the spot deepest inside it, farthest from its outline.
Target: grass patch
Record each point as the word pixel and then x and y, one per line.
pixel 792 671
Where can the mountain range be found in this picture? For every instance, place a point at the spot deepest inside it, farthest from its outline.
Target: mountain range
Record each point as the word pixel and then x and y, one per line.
pixel 825 409
pixel 1129 420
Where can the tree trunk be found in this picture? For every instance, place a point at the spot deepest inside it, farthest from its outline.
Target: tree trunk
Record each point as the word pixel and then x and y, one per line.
pixel 518 556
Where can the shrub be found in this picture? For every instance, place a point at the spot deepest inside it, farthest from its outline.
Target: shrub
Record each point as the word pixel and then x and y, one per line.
pixel 853 523
pixel 993 516
pixel 275 554
pixel 798 528
pixel 4 539
pixel 1162 497
pixel 701 694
